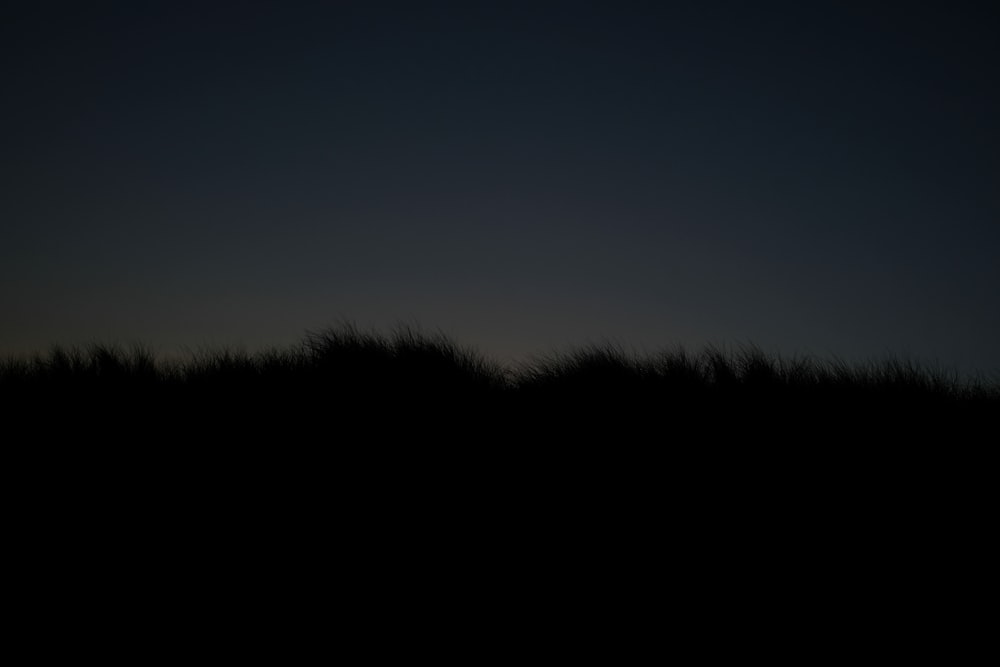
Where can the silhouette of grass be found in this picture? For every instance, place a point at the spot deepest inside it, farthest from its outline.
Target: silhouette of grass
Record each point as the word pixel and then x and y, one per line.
pixel 350 360
pixel 354 427
pixel 332 450
pixel 409 379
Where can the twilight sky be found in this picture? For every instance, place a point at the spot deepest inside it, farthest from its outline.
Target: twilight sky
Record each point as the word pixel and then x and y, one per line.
pixel 815 177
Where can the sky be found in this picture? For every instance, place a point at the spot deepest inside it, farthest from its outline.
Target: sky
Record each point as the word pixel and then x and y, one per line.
pixel 812 177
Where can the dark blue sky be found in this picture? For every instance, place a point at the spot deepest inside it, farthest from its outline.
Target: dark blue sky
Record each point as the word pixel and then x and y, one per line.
pixel 814 177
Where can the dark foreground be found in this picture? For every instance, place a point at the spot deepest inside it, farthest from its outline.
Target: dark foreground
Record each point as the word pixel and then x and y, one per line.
pixel 363 484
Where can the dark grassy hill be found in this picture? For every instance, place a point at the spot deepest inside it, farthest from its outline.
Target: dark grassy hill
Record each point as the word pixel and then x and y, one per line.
pixel 347 385
pixel 405 467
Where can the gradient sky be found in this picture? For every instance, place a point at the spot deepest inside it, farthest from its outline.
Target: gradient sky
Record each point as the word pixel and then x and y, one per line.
pixel 815 177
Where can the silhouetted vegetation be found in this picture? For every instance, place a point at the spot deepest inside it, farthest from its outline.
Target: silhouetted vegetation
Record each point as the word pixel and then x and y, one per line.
pixel 409 451
pixel 343 379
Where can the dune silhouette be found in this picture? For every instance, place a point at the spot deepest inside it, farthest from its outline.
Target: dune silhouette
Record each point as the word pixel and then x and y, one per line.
pixel 409 383
pixel 410 458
